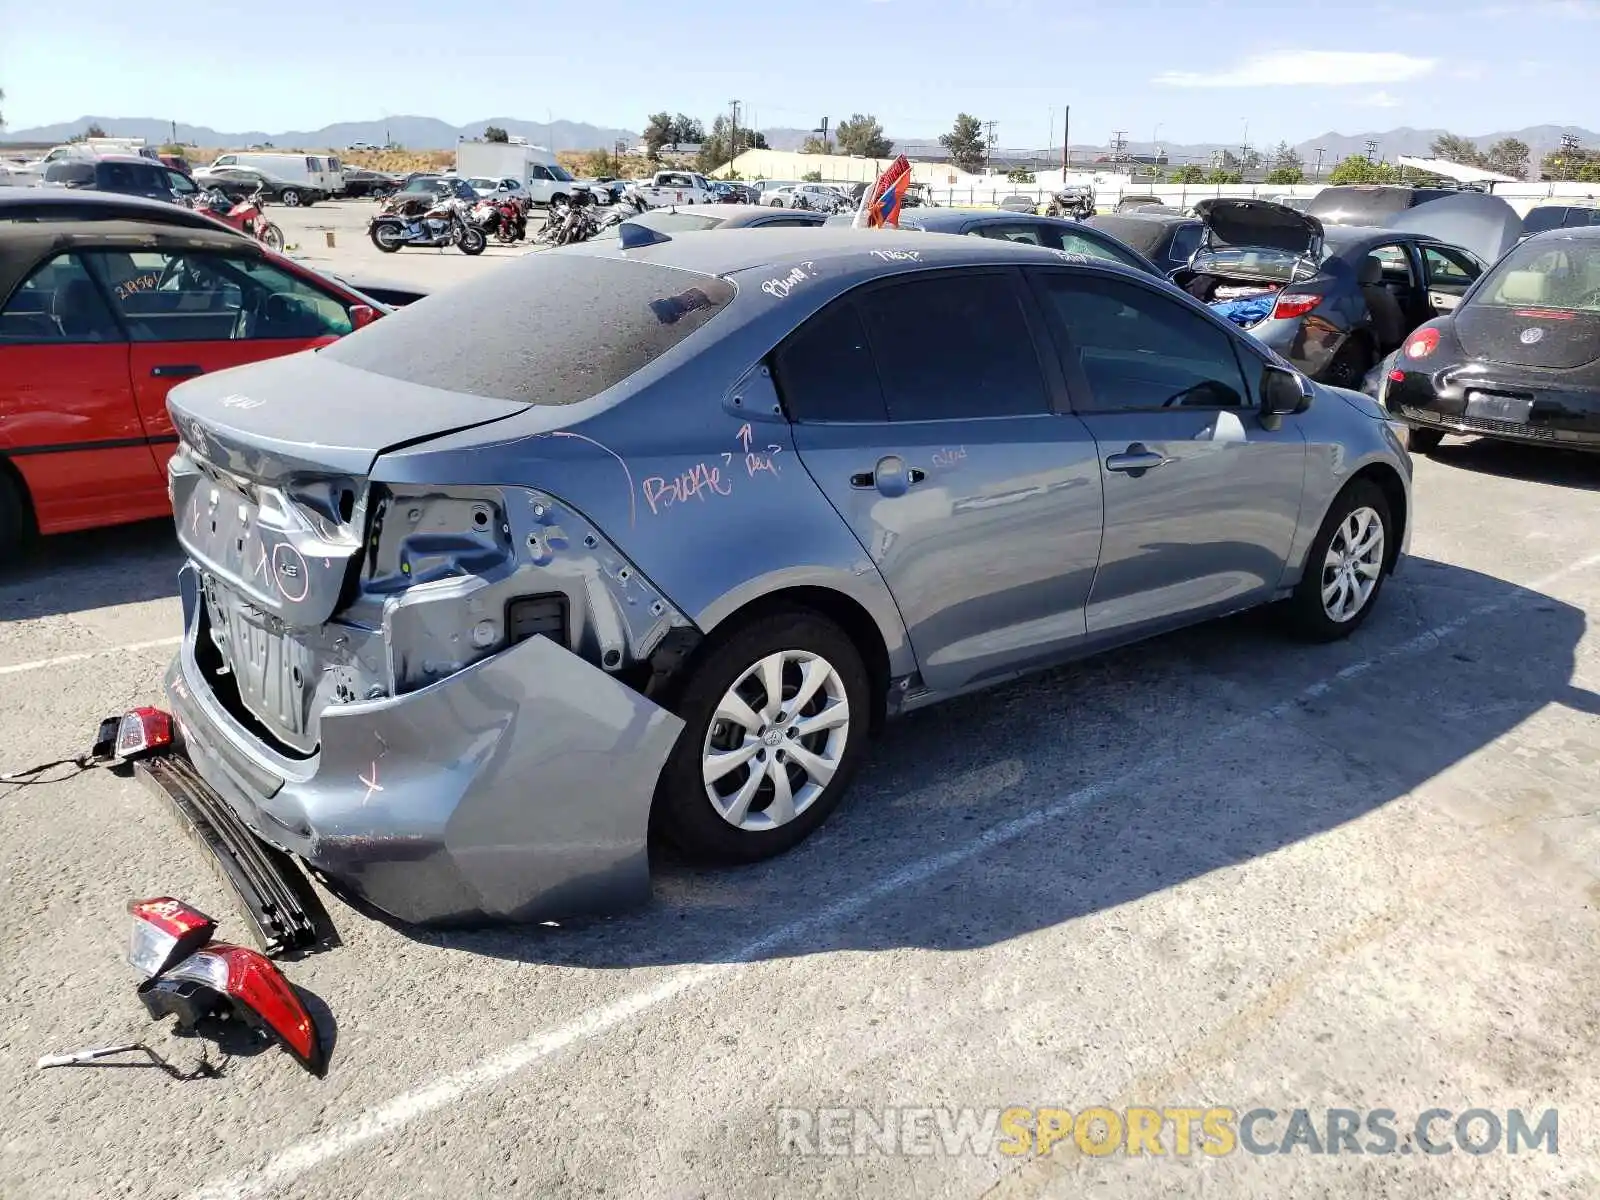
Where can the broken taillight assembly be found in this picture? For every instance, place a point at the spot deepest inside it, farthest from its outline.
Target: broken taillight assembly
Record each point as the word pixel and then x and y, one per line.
pixel 191 977
pixel 143 731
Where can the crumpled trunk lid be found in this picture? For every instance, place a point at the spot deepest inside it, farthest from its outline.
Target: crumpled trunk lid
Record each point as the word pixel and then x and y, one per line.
pixel 269 486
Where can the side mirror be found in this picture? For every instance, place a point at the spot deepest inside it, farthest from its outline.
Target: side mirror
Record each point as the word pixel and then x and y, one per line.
pixel 1283 394
pixel 362 315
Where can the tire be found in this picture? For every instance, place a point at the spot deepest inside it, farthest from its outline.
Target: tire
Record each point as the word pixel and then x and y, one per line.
pixel 387 245
pixel 1349 366
pixel 291 198
pixel 1309 616
pixel 1423 441
pixel 472 241
pixel 16 524
pixel 684 813
pixel 272 237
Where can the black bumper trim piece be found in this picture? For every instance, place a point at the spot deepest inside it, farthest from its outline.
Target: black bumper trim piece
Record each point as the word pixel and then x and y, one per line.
pixel 284 912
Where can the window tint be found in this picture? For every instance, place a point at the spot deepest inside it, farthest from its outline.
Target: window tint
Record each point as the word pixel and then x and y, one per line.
pixel 193 296
pixel 1075 243
pixel 58 303
pixel 1139 349
pixel 953 346
pixel 1185 242
pixel 549 329
pixel 825 371
pixel 1547 216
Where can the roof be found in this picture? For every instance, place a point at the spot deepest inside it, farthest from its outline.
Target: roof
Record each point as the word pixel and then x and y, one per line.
pixel 23 244
pixel 723 253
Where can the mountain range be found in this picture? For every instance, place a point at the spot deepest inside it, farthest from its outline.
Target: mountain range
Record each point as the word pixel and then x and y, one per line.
pixel 429 133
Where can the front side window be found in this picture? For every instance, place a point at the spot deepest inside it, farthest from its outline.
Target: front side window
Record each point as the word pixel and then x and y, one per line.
pixel 58 303
pixel 1449 266
pixel 538 172
pixel 180 183
pixel 952 347
pixel 560 172
pixel 1137 349
pixel 198 296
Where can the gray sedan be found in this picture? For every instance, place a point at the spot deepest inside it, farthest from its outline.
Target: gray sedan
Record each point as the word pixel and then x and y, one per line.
pixel 613 541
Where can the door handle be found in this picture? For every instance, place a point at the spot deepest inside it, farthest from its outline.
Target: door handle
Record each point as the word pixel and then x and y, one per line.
pixel 177 370
pixel 1136 460
pixel 891 476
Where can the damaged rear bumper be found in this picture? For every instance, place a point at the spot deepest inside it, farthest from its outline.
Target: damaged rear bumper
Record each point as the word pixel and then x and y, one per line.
pixel 517 789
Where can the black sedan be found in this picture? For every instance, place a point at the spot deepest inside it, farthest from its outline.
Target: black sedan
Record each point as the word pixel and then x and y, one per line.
pixel 1334 301
pixel 358 182
pixel 1166 239
pixel 240 183
pixel 1053 233
pixel 1518 360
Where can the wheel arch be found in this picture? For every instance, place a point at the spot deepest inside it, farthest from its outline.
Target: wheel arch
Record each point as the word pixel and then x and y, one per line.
pixel 11 478
pixel 1387 480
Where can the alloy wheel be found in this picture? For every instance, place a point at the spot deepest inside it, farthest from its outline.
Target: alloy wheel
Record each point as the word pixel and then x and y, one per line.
pixel 776 740
pixel 1353 564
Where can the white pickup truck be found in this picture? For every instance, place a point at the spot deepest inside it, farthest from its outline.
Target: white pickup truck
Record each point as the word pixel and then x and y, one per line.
pixel 675 187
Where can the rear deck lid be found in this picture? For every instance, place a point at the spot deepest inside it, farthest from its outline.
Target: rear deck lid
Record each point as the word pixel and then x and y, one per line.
pixel 1260 224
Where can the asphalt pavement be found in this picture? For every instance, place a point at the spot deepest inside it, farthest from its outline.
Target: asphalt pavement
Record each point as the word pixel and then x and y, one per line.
pixel 1219 870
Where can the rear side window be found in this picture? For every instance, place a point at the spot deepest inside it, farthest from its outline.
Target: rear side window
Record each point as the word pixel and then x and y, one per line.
pixel 58 303
pixel 825 371
pixel 953 346
pixel 1549 216
pixel 548 329
pixel 312 164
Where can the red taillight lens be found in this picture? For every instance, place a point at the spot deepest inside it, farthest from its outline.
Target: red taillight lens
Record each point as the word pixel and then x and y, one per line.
pixel 1423 343
pixel 252 981
pixel 1397 376
pixel 1294 304
pixel 142 731
pixel 164 931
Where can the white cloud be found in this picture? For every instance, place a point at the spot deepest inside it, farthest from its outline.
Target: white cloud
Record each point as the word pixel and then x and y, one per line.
pixel 1557 10
pixel 1308 68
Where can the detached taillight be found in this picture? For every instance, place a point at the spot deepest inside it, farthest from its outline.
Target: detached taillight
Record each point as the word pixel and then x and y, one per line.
pixel 1294 304
pixel 165 931
pixel 143 731
pixel 260 994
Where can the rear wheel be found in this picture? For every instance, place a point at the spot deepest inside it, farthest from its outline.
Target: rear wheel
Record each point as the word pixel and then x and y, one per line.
pixel 387 236
pixel 775 724
pixel 1424 441
pixel 292 198
pixel 1344 569
pixel 1349 366
pixel 272 237
pixel 16 525
pixel 472 240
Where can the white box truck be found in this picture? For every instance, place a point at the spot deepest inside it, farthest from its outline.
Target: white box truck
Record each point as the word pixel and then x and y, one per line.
pixel 546 179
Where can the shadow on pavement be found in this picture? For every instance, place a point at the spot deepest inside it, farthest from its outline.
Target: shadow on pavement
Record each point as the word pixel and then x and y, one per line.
pixel 1531 464
pixel 1178 767
pixel 74 572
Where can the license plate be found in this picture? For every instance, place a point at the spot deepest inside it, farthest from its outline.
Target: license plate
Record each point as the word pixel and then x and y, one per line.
pixel 1498 408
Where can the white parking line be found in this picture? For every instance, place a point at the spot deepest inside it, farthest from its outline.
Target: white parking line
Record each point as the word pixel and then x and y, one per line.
pixel 40 664
pixel 301 1157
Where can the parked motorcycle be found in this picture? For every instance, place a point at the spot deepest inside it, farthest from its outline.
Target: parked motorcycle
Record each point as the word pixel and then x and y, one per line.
pixel 247 216
pixel 444 224
pixel 504 218
pixel 569 221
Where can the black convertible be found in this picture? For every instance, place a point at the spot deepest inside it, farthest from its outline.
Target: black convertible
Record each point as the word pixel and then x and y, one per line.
pixel 1518 359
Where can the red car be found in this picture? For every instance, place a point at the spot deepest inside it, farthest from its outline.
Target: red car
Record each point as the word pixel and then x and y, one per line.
pixel 97 321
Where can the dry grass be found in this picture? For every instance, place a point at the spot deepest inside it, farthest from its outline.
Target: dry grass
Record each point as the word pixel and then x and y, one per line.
pixel 581 163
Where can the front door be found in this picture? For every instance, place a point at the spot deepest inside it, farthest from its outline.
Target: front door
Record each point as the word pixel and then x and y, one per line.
pixel 922 410
pixel 1201 500
pixel 191 312
pixel 68 422
pixel 1447 273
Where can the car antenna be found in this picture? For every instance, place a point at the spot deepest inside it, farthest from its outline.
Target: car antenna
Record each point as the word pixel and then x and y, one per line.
pixel 632 236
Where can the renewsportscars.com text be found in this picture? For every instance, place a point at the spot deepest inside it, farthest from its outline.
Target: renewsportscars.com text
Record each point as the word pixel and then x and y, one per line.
pixel 1149 1131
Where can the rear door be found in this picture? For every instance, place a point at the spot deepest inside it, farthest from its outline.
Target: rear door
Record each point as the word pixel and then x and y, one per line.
pixel 1447 273
pixel 1201 501
pixel 68 421
pixel 923 409
pixel 190 312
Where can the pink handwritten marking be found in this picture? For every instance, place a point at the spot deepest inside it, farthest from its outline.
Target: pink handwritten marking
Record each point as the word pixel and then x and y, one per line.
pixel 949 457
pixel 744 436
pixel 757 461
pixel 372 784
pixel 694 484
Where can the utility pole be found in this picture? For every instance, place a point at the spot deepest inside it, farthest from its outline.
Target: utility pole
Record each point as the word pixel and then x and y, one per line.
pixel 174 138
pixel 1372 148
pixel 1066 139
pixel 733 133
pixel 1320 153
pixel 1118 141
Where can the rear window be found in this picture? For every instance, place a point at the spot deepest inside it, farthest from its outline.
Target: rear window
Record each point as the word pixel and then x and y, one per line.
pixel 1561 274
pixel 1555 216
pixel 1144 236
pixel 549 329
pixel 1356 205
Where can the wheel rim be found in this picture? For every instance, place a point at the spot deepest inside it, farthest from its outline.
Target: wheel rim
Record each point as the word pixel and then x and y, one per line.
pixel 388 235
pixel 1353 564
pixel 291 199
pixel 776 740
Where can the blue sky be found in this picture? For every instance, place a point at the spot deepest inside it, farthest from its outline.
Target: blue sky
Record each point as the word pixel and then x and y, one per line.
pixel 1183 72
